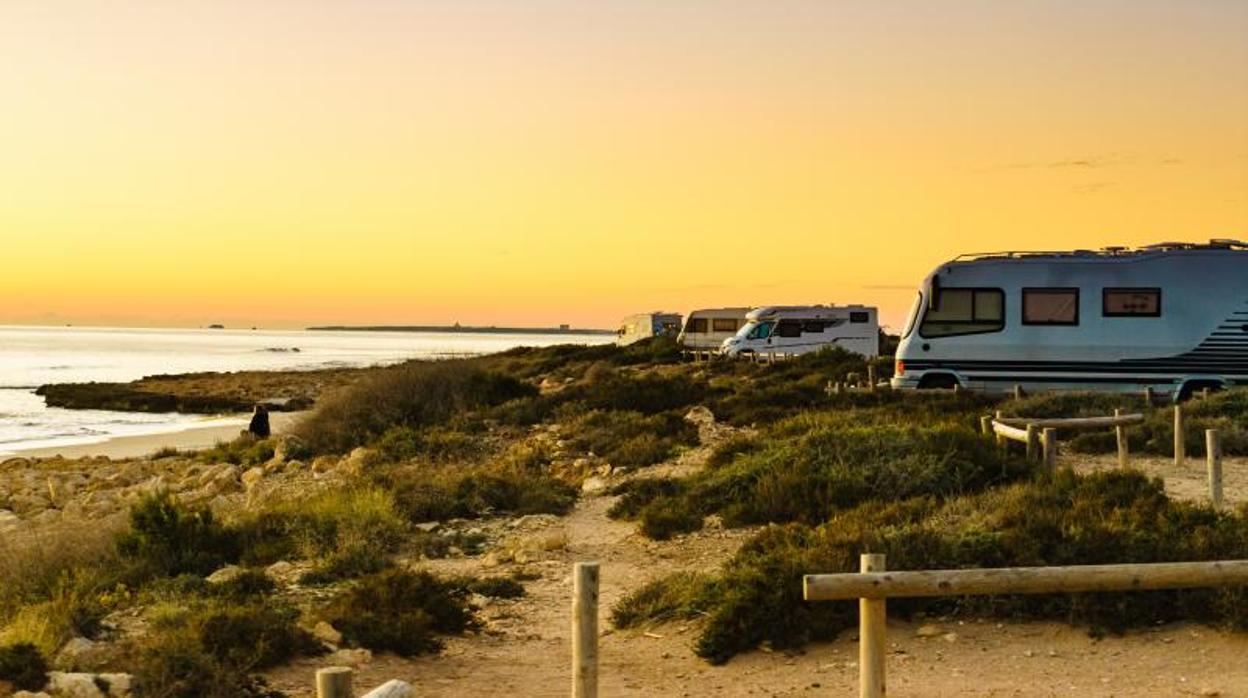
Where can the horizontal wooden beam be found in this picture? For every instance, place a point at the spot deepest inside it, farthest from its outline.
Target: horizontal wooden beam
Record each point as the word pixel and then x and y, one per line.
pixel 1009 432
pixel 1074 422
pixel 1026 580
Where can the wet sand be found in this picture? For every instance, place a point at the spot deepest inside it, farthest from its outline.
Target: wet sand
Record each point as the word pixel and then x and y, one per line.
pixel 145 444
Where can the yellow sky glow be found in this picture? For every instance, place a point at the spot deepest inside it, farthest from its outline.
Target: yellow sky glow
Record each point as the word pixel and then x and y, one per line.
pixel 285 163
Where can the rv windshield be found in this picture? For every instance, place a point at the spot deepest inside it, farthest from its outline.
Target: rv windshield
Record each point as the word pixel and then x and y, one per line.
pixel 757 330
pixel 913 317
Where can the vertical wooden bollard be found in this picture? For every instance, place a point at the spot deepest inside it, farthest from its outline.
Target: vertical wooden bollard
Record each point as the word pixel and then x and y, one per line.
pixel 1180 440
pixel 1050 450
pixel 334 682
pixel 1213 449
pixel 1033 443
pixel 957 388
pixel 872 635
pixel 1121 432
pixel 585 630
pixel 1148 394
pixel 1018 392
pixel 985 424
pixel 1001 444
pixel 871 376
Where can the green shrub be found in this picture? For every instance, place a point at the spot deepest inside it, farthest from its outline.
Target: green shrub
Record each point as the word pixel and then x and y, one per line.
pixel 680 596
pixel 630 439
pixel 175 665
pixel 253 636
pixel 727 450
pixel 245 451
pixel 167 538
pixel 636 494
pixel 250 584
pixel 23 667
pixel 435 443
pixel 667 517
pixel 414 395
pixel 401 612
pixel 1105 518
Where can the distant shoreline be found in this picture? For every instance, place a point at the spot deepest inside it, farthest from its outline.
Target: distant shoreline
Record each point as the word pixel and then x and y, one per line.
pixel 461 329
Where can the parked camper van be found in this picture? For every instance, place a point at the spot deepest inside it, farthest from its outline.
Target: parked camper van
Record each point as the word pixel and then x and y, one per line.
pixel 706 329
pixel 1171 317
pixel 806 328
pixel 635 328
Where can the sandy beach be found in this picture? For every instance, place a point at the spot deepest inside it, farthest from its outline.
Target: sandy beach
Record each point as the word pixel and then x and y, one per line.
pixel 145 444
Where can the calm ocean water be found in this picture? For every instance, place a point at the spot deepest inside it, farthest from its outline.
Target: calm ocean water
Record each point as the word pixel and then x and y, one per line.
pixel 34 356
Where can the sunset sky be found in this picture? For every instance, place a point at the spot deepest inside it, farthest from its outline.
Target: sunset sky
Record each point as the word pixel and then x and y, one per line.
pixel 293 162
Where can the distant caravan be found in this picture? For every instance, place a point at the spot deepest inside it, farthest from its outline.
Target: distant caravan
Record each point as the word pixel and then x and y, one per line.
pixel 805 328
pixel 635 328
pixel 1171 317
pixel 706 329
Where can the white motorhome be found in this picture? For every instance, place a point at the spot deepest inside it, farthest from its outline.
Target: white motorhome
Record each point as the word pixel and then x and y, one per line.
pixel 707 328
pixel 799 329
pixel 635 328
pixel 1171 317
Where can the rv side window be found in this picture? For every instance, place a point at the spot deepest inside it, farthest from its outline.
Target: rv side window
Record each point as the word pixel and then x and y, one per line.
pixel 724 324
pixel 813 326
pixel 965 311
pixel 789 328
pixel 1131 302
pixel 696 326
pixel 1050 306
pixel 859 317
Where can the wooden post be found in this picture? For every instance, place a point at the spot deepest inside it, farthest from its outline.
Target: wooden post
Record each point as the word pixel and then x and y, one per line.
pixel 871 376
pixel 1148 394
pixel 1050 450
pixel 1121 432
pixel 1033 443
pixel 1018 392
pixel 1204 393
pixel 585 630
pixel 1213 449
pixel 872 635
pixel 1000 439
pixel 985 424
pixel 1180 439
pixel 334 682
pixel 957 388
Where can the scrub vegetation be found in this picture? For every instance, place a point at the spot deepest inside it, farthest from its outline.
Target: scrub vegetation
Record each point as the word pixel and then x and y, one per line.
pixel 406 463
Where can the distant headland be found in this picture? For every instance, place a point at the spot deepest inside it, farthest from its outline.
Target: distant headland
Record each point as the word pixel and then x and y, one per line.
pixel 467 329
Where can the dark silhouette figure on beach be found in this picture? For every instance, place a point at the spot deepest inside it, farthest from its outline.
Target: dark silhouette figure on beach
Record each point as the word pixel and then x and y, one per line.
pixel 259 426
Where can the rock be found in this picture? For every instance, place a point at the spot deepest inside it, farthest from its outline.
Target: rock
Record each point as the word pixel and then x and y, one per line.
pixel 226 574
pixel 701 416
pixel 428 526
pixel 358 460
pixel 324 464
pixel 226 480
pixel 349 658
pixel 281 571
pixel 77 653
pixel 28 694
pixel 252 477
pixel 1207 691
pixel 77 685
pixel 533 521
pixel 713 522
pixel 928 631
pixel 393 688
pixel 326 633
pixel 949 637
pixel 593 485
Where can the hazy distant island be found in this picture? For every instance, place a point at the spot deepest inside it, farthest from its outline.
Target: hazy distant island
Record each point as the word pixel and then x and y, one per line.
pixel 562 329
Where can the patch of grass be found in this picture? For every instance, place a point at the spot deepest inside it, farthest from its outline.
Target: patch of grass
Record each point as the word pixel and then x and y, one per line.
pixel 496 587
pixel 413 395
pixel 667 517
pixel 636 494
pixel 253 636
pixel 1112 517
pixel 23 667
pixel 630 439
pixel 72 609
pixel 402 612
pixel 680 596
pixel 244 451
pixel 434 443
pixel 175 665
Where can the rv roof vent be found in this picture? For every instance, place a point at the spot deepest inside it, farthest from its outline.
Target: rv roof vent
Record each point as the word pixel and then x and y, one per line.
pixel 1115 249
pixel 1225 242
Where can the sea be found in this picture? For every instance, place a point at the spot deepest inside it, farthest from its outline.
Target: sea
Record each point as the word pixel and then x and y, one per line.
pixel 35 356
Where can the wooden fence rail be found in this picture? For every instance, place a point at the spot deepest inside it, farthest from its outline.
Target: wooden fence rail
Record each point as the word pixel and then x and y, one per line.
pixel 872 586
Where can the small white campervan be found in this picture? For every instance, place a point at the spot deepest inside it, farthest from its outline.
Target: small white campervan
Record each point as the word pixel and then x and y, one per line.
pixel 635 328
pixel 1171 317
pixel 706 329
pixel 799 329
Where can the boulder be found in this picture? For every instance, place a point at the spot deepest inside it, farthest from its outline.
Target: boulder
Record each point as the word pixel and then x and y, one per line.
pixel 252 477
pixel 594 484
pixel 327 633
pixel 358 460
pixel 79 685
pixel 78 653
pixel 226 574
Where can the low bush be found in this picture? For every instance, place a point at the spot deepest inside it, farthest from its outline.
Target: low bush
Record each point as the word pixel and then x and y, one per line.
pixel 245 451
pixel 414 395
pixel 667 517
pixel 434 443
pixel 175 665
pixel 630 439
pixel 253 636
pixel 495 587
pixel 73 609
pixel 680 596
pixel 1112 517
pixel 636 494
pixel 23 667
pixel 167 538
pixel 402 612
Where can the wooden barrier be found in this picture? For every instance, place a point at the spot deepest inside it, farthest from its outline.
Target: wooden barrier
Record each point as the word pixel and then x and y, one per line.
pixel 1033 442
pixel 334 682
pixel 1005 431
pixel 1035 433
pixel 1050 450
pixel 872 586
pixel 1213 454
pixel 585 630
pixel 1120 431
pixel 1075 422
pixel 985 424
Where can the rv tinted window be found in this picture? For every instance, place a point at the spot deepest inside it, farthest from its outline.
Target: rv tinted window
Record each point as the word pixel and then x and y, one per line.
pixel 1132 302
pixel 859 317
pixel 965 311
pixel 789 328
pixel 724 324
pixel 1050 306
pixel 696 326
pixel 809 326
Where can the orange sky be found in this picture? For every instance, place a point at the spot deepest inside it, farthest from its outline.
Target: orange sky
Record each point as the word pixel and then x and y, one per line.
pixel 286 162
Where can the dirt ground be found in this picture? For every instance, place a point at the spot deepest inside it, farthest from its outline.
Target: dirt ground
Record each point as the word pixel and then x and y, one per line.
pixel 525 649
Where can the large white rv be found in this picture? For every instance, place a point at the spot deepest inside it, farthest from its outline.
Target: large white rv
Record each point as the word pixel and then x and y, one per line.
pixel 707 328
pixel 635 328
pixel 799 329
pixel 1171 317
